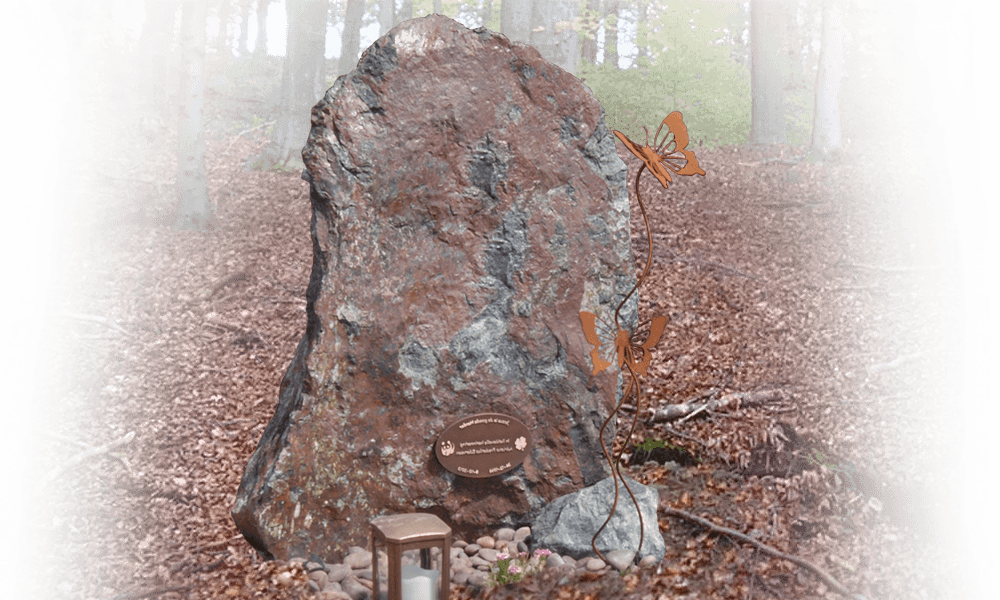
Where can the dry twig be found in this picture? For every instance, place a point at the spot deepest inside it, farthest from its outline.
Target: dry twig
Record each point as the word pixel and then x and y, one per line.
pixel 109 323
pixel 823 575
pixel 678 411
pixel 82 456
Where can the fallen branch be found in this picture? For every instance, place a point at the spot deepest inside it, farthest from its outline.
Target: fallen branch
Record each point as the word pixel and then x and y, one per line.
pixel 220 324
pixel 82 456
pixel 121 458
pixel 151 593
pixel 110 324
pixel 826 577
pixel 673 412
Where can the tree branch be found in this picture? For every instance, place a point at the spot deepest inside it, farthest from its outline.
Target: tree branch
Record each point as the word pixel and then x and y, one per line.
pixel 823 575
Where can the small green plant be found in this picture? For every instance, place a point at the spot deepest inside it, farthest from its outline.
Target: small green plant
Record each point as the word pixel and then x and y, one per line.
pixel 504 572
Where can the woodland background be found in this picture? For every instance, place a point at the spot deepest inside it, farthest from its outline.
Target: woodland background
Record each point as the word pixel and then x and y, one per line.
pixel 87 102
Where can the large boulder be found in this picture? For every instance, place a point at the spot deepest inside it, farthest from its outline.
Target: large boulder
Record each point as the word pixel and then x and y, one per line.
pixel 568 524
pixel 468 203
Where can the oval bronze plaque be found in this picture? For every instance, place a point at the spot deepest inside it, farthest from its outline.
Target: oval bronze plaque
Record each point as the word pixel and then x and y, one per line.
pixel 483 445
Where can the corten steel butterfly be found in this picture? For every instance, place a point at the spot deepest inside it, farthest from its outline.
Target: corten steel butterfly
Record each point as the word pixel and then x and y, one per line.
pixel 631 350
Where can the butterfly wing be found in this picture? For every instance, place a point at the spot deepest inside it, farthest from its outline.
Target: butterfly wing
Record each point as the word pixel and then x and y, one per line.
pixel 649 158
pixel 589 321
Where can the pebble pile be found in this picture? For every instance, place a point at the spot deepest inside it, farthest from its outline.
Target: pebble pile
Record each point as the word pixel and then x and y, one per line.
pixel 471 565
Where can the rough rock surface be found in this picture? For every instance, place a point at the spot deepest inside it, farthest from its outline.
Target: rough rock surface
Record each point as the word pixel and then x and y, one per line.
pixel 568 524
pixel 468 203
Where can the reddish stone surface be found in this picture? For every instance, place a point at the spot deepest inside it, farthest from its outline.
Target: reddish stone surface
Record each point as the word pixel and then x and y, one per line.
pixel 468 203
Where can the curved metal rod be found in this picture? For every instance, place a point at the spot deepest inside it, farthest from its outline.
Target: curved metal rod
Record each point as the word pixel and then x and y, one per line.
pixel 615 463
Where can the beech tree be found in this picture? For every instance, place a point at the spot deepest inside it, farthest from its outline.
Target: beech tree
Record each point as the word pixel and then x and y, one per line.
pixel 552 36
pixel 260 46
pixel 515 20
pixel 193 206
pixel 767 82
pixel 826 117
pixel 350 41
pixel 302 82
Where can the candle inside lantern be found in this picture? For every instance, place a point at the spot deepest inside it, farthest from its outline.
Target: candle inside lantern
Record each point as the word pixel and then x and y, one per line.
pixel 419 584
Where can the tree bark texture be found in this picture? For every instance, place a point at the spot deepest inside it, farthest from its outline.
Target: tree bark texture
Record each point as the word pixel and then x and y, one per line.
pixel 767 82
pixel 193 205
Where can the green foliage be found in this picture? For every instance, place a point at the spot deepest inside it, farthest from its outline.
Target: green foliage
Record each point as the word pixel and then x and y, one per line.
pixel 691 68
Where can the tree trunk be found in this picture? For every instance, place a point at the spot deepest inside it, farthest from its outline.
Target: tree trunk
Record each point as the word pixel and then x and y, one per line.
pixel 260 46
pixel 386 16
pixel 792 44
pixel 437 7
pixel 826 117
pixel 350 42
pixel 591 19
pixel 767 84
pixel 241 44
pixel 611 33
pixel 405 11
pixel 642 30
pixel 222 38
pixel 557 44
pixel 302 82
pixel 193 206
pixel 515 20
pixel 157 38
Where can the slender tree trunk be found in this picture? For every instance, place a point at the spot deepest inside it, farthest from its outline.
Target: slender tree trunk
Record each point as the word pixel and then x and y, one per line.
pixel 157 38
pixel 591 20
pixel 405 12
pixel 767 84
pixel 193 206
pixel 826 117
pixel 611 33
pixel 302 82
pixel 260 46
pixel 560 47
pixel 350 41
pixel 515 20
pixel 386 16
pixel 437 7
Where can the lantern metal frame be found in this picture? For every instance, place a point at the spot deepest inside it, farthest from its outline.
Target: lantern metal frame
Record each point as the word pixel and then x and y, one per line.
pixel 412 531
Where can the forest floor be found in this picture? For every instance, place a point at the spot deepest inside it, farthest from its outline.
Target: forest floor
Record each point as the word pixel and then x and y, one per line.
pixel 778 274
